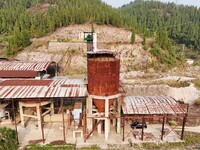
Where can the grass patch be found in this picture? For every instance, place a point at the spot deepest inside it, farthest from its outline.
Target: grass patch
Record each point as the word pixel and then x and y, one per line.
pixel 59 147
pixel 49 147
pixel 197 83
pixel 90 148
pixel 172 123
pixel 196 63
pixel 191 140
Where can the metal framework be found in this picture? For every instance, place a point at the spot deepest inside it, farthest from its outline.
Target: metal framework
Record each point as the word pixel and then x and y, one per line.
pixel 42 92
pixel 154 107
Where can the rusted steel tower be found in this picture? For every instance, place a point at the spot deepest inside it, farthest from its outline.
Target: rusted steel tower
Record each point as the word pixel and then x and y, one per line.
pixel 104 103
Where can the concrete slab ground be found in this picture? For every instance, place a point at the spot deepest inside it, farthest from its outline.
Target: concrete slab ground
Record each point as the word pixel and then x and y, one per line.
pixel 54 132
pixel 151 134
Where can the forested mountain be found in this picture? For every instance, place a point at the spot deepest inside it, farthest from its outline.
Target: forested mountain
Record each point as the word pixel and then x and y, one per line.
pixel 22 19
pixel 182 23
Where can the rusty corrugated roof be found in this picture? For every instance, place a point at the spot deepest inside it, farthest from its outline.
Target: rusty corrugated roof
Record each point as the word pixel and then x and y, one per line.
pixel 17 65
pixel 151 105
pixel 21 82
pixel 17 69
pixel 18 74
pixel 56 88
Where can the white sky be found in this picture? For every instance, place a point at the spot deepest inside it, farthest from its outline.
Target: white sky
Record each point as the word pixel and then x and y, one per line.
pixel 118 3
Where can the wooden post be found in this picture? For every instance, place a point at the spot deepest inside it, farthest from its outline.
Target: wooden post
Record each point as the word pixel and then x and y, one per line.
pixel 39 112
pixel 85 126
pixel 14 115
pixel 143 121
pixel 21 114
pixel 184 122
pixel 68 119
pixel 63 120
pixel 123 127
pixel 163 127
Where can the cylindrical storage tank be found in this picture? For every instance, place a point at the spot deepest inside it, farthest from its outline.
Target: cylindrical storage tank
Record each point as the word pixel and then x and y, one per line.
pixel 103 79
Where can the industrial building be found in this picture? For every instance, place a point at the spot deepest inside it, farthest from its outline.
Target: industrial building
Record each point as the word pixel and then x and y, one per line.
pixel 95 104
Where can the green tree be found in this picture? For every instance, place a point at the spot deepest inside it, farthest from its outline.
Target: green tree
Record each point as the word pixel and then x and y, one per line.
pixel 163 39
pixel 8 139
pixel 133 36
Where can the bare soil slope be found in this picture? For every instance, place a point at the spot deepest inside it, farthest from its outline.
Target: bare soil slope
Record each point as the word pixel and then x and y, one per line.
pixel 66 47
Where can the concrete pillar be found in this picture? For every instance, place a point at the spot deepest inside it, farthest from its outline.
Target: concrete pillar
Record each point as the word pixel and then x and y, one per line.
pixel 118 125
pixel 114 122
pixel 52 107
pixel 106 107
pixel 107 120
pixel 119 115
pixel 106 129
pixel 115 111
pixel 89 112
pixel 38 116
pixel 21 114
pixel 99 127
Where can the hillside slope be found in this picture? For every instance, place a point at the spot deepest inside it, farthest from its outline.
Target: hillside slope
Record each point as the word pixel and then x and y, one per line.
pixel 67 48
pixel 21 20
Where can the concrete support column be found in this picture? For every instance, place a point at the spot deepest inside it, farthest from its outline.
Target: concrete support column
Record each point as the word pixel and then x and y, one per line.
pixel 115 111
pixel 114 122
pixel 52 107
pixel 118 125
pixel 119 115
pixel 106 107
pixel 99 128
pixel 107 120
pixel 21 114
pixel 106 128
pixel 38 116
pixel 89 109
pixel 109 123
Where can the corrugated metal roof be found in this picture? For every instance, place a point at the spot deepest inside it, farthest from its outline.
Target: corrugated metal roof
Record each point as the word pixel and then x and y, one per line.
pixel 18 74
pixel 42 88
pixel 17 65
pixel 17 69
pixel 152 105
pixel 30 82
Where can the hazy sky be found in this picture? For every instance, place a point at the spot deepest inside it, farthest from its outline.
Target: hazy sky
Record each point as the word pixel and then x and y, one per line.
pixel 118 3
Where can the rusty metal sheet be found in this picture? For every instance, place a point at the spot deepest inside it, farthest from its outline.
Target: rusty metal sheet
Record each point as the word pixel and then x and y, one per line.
pixel 17 69
pixel 17 65
pixel 18 74
pixel 151 105
pixel 21 82
pixel 25 89
pixel 103 76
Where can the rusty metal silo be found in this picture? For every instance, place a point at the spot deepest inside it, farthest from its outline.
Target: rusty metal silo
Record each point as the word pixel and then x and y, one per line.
pixel 103 77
